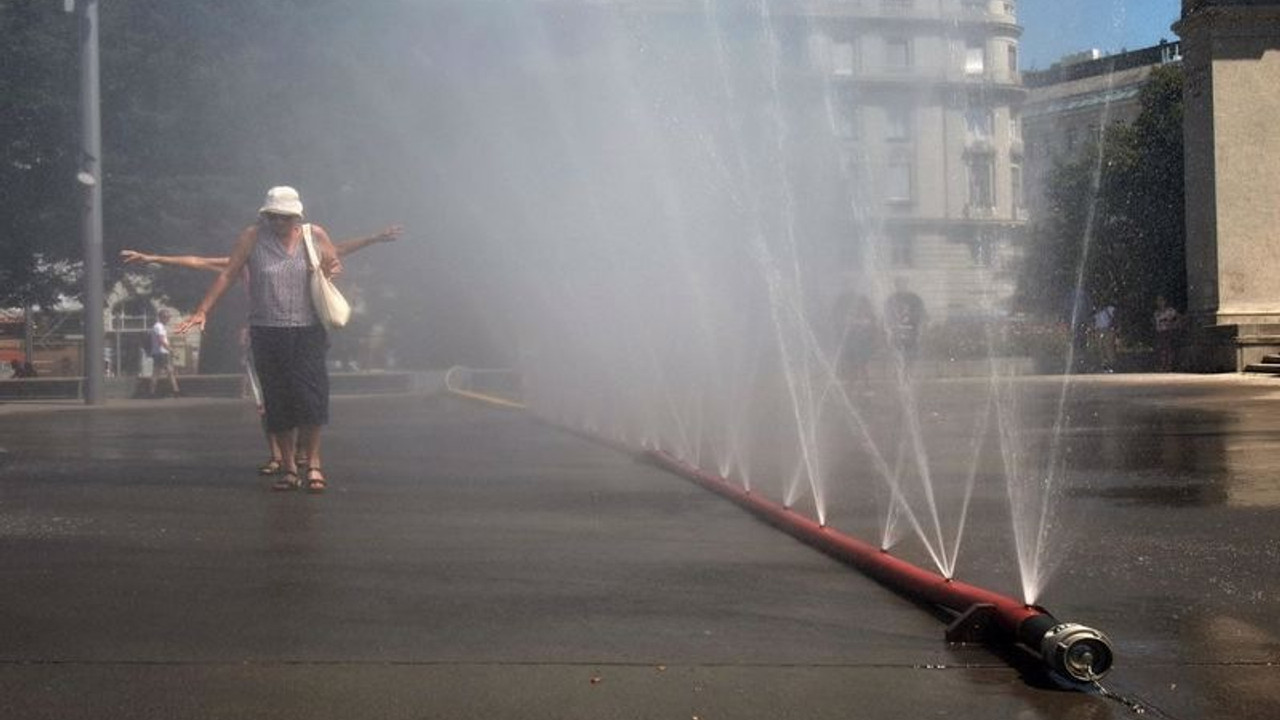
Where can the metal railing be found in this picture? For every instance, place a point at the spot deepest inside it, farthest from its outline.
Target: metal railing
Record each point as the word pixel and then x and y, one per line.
pixel 498 386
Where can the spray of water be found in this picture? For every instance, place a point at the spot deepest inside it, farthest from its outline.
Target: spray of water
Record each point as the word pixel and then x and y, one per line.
pixel 1034 493
pixel 685 312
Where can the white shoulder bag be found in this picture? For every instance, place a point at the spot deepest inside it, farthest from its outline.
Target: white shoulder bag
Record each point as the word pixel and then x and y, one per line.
pixel 331 307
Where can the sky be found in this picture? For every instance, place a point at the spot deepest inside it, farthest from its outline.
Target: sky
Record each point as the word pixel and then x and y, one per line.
pixel 1054 28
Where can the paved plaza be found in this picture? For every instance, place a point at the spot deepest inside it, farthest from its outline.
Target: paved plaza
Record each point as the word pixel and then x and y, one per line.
pixel 473 562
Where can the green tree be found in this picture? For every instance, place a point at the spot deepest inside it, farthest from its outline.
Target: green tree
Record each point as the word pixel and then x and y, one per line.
pixel 378 112
pixel 38 111
pixel 1143 248
pixel 1114 220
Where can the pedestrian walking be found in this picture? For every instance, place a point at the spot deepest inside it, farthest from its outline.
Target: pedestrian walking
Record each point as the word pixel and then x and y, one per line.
pixel 858 330
pixel 161 354
pixel 1104 332
pixel 905 317
pixel 1167 320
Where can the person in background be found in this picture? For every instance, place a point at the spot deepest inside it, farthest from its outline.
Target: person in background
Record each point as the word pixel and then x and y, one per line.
pixel 1077 319
pixel 858 327
pixel 1104 329
pixel 904 318
pixel 288 342
pixel 161 355
pixel 1166 319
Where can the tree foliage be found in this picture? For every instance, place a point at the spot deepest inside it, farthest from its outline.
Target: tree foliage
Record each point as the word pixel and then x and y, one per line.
pixel 204 106
pixel 38 208
pixel 1114 219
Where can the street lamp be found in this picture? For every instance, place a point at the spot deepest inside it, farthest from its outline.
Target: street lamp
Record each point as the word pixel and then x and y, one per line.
pixel 90 180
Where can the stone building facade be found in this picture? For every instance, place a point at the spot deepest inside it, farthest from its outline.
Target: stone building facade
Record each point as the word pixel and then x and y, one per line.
pixel 922 100
pixel 1232 97
pixel 930 93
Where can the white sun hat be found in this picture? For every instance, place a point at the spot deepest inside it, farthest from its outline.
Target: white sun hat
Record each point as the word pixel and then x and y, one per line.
pixel 282 200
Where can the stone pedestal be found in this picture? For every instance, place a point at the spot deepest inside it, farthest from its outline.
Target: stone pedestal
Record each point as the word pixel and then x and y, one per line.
pixel 1231 55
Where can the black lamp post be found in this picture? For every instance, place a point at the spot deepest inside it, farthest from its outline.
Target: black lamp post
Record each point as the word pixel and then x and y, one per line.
pixel 90 180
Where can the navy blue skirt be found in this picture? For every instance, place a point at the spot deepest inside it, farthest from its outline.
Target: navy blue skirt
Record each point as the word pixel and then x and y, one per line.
pixel 295 377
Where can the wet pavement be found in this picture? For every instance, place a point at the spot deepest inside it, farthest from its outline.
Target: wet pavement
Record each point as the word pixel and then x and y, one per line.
pixel 472 562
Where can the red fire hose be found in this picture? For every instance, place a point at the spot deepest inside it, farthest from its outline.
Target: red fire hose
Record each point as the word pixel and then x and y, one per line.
pixel 1076 652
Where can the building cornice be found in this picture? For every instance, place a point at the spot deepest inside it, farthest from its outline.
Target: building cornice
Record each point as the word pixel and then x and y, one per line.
pixel 944 224
pixel 995 92
pixel 868 13
pixel 1231 20
pixel 994 27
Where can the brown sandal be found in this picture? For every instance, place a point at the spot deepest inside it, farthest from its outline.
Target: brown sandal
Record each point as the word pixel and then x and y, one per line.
pixel 315 481
pixel 287 481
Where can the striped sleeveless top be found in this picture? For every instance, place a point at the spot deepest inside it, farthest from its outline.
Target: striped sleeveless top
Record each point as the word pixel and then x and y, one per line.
pixel 279 295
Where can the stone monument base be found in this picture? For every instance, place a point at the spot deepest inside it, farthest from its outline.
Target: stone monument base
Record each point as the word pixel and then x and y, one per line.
pixel 1228 348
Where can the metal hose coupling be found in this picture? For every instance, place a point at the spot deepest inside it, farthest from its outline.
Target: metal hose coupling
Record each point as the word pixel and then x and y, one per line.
pixel 1076 652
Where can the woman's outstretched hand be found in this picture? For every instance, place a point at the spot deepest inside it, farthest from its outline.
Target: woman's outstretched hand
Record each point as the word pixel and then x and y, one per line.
pixel 133 257
pixel 391 234
pixel 194 320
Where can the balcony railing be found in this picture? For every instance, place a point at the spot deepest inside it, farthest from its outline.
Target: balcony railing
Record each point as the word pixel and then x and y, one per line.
pixel 909 9
pixel 979 212
pixel 1002 10
pixel 979 144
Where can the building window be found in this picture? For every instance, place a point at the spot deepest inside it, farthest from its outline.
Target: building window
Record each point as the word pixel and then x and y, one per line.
pixel 897 120
pixel 1015 179
pixel 842 58
pixel 845 121
pixel 975 57
pixel 982 187
pixel 980 123
pixel 851 252
pixel 982 249
pixel 975 5
pixel 851 164
pixel 897 53
pixel 1071 139
pixel 819 52
pixel 902 249
pixel 1013 59
pixel 898 179
pixel 793 50
pixel 1015 128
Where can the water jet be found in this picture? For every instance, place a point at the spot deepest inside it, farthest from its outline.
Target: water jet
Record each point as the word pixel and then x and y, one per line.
pixel 1076 653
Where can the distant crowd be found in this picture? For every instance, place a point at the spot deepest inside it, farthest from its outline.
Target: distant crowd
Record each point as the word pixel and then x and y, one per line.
pixel 1088 333
pixel 19 369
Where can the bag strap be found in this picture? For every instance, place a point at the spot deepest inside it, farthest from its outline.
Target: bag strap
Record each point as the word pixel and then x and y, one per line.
pixel 311 248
